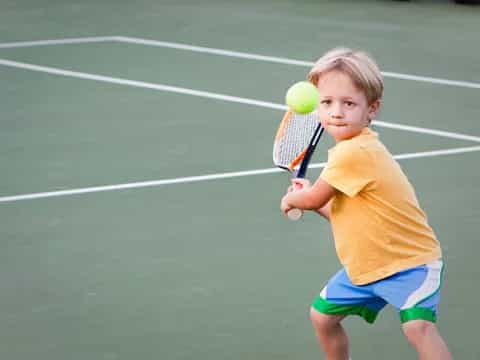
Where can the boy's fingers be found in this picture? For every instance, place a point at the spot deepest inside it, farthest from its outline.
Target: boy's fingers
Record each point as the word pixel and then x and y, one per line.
pixel 300 183
pixel 293 188
pixel 297 184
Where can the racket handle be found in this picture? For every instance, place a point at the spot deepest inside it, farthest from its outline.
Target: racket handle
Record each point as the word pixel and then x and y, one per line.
pixel 295 214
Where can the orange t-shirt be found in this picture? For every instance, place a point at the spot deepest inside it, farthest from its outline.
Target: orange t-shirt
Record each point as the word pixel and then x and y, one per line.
pixel 378 225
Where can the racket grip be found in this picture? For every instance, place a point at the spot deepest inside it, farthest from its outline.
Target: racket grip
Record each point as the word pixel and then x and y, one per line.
pixel 295 214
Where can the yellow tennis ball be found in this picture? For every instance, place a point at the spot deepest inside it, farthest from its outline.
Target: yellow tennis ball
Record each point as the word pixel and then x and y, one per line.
pixel 302 97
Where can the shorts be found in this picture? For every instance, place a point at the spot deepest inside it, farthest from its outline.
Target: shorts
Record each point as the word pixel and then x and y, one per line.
pixel 415 293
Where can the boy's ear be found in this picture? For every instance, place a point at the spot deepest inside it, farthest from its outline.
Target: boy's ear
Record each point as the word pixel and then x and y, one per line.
pixel 373 109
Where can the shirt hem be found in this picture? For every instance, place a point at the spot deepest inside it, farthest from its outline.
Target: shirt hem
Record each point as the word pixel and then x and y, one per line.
pixel 393 268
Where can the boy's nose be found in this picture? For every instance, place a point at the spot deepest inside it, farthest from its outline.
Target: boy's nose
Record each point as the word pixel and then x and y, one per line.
pixel 336 112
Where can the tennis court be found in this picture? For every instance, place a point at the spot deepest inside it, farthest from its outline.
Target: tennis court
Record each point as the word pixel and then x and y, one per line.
pixel 139 205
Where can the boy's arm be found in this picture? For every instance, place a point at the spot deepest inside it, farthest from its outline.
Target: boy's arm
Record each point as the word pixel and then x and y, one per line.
pixel 326 210
pixel 310 197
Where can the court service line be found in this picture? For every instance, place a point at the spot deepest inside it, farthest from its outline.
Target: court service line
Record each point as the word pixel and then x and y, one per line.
pixel 223 52
pixel 210 177
pixel 282 60
pixel 210 95
pixel 421 130
pixel 139 84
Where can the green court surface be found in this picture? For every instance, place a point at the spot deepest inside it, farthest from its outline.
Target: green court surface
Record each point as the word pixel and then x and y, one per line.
pixel 139 207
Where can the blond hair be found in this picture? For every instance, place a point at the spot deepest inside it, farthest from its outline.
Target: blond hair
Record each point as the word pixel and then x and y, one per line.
pixel 358 65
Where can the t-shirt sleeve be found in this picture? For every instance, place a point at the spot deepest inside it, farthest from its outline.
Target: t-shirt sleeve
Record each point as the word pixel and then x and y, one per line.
pixel 348 169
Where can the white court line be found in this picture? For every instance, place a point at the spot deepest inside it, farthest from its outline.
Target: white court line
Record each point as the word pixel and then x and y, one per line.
pixel 211 95
pixel 282 60
pixel 84 40
pixel 213 51
pixel 223 52
pixel 417 129
pixel 139 84
pixel 191 179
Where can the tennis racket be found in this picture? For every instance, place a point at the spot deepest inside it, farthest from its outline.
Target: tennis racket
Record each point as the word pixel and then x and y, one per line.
pixel 294 144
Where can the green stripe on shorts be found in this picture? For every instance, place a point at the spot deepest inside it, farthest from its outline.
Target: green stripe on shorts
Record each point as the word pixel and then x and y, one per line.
pixel 325 307
pixel 415 313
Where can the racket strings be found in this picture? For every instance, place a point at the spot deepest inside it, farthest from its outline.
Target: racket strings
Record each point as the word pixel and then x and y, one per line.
pixel 289 148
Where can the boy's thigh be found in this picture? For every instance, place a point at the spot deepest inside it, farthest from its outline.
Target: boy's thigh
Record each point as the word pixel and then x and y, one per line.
pixel 415 293
pixel 324 321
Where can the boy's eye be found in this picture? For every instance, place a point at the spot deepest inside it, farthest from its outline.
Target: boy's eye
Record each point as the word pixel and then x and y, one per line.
pixel 326 102
pixel 349 103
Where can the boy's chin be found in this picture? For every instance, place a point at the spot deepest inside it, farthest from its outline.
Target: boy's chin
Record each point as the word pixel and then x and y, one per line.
pixel 342 134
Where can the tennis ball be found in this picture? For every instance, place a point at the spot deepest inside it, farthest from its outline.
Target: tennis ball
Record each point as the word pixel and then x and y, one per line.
pixel 302 97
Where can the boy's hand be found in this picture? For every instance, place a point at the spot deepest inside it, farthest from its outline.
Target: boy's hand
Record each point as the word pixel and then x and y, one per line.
pixel 299 184
pixel 284 206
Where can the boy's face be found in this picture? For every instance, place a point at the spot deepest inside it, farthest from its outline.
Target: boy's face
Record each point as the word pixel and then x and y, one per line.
pixel 343 109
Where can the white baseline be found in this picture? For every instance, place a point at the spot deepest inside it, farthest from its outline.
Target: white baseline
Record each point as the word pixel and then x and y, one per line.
pixel 69 41
pixel 222 52
pixel 286 61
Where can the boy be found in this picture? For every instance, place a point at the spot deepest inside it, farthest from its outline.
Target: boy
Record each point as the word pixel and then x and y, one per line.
pixel 389 253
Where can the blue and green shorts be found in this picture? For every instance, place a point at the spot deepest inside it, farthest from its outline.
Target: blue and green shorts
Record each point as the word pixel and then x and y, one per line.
pixel 415 293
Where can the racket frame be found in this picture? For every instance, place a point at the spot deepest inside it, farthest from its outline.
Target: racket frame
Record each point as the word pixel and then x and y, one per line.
pixel 295 214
